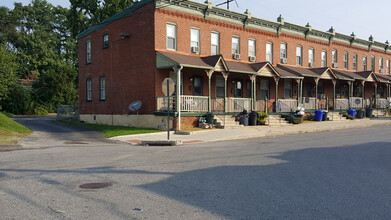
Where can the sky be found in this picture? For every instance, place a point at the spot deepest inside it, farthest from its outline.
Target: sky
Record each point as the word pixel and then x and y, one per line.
pixel 364 18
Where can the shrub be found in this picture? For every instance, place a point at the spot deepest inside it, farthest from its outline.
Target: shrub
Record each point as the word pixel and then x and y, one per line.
pixel 40 111
pixel 262 118
pixel 292 119
pixel 346 115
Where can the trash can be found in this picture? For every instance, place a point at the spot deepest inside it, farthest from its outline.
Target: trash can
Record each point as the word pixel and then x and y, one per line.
pixel 209 118
pixel 324 118
pixel 360 113
pixel 352 113
pixel 368 112
pixel 243 118
pixel 253 119
pixel 319 115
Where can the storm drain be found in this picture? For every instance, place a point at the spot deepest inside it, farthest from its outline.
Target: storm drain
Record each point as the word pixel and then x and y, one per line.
pixel 95 185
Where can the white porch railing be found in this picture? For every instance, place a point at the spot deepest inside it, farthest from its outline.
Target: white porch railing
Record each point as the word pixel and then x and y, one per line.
pixel 194 103
pixel 218 105
pixel 239 104
pixel 382 103
pixel 356 102
pixel 309 103
pixel 287 105
pixel 341 104
pixel 260 105
pixel 163 103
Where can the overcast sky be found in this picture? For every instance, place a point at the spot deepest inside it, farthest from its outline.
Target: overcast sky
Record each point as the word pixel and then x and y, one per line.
pixel 346 16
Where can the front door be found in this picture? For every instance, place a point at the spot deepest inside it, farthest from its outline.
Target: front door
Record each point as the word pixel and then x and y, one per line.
pixel 197 84
pixel 238 89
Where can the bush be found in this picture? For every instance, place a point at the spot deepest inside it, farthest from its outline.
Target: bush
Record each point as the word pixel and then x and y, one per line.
pixel 40 110
pixel 346 115
pixel 292 119
pixel 262 118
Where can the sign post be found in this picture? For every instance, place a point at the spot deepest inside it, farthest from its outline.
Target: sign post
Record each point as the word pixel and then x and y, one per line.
pixel 168 91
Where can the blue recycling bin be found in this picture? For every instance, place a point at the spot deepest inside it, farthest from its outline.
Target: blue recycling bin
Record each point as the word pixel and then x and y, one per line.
pixel 319 115
pixel 352 113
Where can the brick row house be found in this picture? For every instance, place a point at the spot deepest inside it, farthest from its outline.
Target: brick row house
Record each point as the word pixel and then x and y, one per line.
pixel 225 62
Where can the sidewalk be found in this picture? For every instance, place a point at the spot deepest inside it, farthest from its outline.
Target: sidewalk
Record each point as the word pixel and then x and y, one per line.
pixel 253 131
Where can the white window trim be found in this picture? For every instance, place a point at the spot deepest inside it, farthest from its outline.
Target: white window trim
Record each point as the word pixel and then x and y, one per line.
pixel 199 39
pixel 255 47
pixel 218 42
pixel 271 57
pixel 175 38
pixel 232 45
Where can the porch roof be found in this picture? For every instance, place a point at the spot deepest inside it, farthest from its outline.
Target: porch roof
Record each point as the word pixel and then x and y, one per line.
pixel 287 74
pixel 167 60
pixel 368 75
pixel 347 75
pixel 240 67
pixel 383 78
pixel 306 72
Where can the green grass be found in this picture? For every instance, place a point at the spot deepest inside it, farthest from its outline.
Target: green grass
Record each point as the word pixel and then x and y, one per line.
pixel 9 130
pixel 111 131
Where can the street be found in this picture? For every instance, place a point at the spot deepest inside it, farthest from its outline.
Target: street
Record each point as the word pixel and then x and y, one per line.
pixel 329 175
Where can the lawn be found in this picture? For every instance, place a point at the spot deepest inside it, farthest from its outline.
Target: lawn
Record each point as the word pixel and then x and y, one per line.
pixel 10 130
pixel 111 131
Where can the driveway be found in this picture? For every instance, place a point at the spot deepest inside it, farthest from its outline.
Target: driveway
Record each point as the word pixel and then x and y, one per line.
pixel 48 134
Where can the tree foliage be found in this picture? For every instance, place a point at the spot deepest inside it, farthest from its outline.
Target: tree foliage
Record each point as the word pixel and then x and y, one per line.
pixel 39 40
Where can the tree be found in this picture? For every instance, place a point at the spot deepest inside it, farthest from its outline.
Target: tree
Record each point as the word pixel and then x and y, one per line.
pixel 8 67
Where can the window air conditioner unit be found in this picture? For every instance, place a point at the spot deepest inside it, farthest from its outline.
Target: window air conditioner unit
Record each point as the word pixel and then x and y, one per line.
pixel 195 49
pixel 381 71
pixel 236 56
pixel 252 58
pixel 335 65
pixel 311 65
pixel 284 60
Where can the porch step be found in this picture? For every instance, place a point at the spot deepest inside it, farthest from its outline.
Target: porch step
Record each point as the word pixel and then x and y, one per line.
pixel 335 116
pixel 226 121
pixel 277 120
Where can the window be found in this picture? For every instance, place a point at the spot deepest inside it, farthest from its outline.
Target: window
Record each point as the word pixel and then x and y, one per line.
pixel 88 53
pixel 311 57
pixel 381 70
pixel 364 63
pixel 354 61
pixel 373 63
pixel 334 55
pixel 105 41
pixel 283 51
pixel 324 58
pixel 197 85
pixel 171 37
pixel 195 40
pixel 264 89
pixel 102 88
pixel 388 66
pixel 235 45
pixel 215 41
pixel 299 56
pixel 269 52
pixel 345 60
pixel 88 90
pixel 287 88
pixel 220 87
pixel 251 48
pixel 248 89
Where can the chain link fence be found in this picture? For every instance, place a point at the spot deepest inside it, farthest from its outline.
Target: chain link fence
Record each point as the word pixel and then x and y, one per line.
pixel 68 112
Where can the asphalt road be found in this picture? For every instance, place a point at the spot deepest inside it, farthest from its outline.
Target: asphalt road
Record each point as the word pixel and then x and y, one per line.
pixel 330 175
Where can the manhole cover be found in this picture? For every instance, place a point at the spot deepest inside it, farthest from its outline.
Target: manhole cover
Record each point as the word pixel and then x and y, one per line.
pixel 95 185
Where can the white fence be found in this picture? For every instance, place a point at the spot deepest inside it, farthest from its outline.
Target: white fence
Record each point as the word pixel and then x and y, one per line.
pixel 341 104
pixel 218 105
pixel 261 105
pixel 287 105
pixel 309 103
pixel 239 104
pixel 188 103
pixel 382 103
pixel 163 103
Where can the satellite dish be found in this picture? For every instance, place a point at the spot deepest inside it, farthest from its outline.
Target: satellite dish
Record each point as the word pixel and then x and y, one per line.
pixel 135 106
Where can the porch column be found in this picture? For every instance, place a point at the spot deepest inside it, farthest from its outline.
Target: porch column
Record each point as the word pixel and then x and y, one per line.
pixel 298 91
pixel 178 94
pixel 388 90
pixel 276 79
pixel 225 75
pixel 253 92
pixel 301 90
pixel 375 95
pixel 334 84
pixel 316 93
pixel 363 93
pixel 350 92
pixel 209 73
